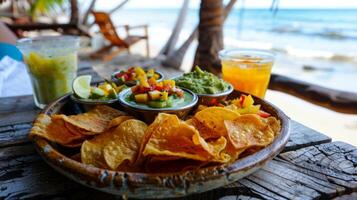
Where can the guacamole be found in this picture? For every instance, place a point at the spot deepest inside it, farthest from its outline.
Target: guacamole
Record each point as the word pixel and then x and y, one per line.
pixel 202 82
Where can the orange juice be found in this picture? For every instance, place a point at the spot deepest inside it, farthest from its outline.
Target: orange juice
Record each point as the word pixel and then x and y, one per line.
pixel 248 72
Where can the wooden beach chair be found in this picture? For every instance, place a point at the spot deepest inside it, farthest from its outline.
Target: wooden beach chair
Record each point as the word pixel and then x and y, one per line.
pixel 117 44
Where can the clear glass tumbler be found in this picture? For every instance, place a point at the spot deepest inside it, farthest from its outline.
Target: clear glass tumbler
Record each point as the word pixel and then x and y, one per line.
pixel 248 70
pixel 52 65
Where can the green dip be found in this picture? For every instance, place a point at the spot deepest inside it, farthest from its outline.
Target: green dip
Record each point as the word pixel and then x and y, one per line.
pixel 176 102
pixel 202 82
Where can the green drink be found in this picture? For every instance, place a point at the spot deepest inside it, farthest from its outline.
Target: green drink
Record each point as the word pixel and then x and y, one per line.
pixel 51 64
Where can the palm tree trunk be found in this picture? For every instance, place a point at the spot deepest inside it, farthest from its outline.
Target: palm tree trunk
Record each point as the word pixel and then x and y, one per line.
pixel 74 12
pixel 210 35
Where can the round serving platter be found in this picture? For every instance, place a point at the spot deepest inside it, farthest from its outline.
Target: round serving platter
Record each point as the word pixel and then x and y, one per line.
pixel 157 185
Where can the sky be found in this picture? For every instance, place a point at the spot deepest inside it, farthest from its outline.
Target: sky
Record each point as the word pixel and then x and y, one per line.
pixel 318 4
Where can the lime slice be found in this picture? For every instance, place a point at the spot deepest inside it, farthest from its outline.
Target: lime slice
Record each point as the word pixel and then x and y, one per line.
pixel 81 86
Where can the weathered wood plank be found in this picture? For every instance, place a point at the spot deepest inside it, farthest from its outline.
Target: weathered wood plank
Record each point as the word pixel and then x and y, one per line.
pixel 323 171
pixel 14 134
pixel 16 104
pixel 302 136
pixel 335 162
pixel 347 196
pixel 13 118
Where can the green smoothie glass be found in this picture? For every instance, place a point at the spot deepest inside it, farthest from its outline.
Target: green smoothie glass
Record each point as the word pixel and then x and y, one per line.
pixel 52 65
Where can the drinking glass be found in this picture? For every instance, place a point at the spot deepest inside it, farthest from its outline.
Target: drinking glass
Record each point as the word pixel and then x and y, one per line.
pixel 248 70
pixel 52 65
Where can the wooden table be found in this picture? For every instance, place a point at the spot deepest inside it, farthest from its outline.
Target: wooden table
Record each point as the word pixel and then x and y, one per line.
pixel 311 166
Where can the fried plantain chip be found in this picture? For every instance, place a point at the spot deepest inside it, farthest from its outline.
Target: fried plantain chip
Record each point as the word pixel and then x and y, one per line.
pixel 125 145
pixel 171 137
pixel 93 122
pixel 248 130
pixel 213 118
pixel 55 131
pixel 118 120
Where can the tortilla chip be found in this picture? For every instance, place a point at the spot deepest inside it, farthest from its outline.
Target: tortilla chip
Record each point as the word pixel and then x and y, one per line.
pixel 126 144
pixel 92 150
pixel 274 124
pixel 74 129
pixel 118 120
pixel 175 138
pixel 205 132
pixel 158 164
pixel 92 153
pixel 247 131
pixel 213 119
pixel 93 122
pixel 55 131
pixel 233 153
pixel 154 126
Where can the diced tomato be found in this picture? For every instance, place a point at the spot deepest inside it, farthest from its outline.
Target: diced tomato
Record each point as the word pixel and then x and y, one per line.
pixel 135 89
pixel 130 76
pixel 120 74
pixel 179 93
pixel 167 88
pixel 126 77
pixel 263 114
pixel 157 87
pixel 241 100
pixel 144 89
pixel 213 102
pixel 131 69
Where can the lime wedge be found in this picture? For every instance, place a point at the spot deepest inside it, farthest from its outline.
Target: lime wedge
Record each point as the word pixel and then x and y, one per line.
pixel 81 86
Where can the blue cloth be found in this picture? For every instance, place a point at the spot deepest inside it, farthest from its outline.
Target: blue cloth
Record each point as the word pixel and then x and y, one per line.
pixel 10 50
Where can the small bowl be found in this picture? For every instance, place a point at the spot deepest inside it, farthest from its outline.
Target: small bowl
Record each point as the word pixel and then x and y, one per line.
pixel 148 114
pixel 88 104
pixel 132 83
pixel 209 99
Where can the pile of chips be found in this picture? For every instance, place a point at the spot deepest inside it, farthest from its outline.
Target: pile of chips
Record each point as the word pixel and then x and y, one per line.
pixel 111 139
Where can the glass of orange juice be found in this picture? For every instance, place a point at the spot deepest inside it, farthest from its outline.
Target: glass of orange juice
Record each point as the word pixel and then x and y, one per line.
pixel 248 70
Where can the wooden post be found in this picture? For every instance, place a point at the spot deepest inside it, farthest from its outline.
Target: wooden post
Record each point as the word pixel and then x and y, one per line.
pixel 210 35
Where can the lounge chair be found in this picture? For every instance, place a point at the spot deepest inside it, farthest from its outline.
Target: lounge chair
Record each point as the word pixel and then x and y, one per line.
pixel 109 32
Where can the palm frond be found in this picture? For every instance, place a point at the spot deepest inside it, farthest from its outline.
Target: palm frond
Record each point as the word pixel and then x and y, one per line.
pixel 44 6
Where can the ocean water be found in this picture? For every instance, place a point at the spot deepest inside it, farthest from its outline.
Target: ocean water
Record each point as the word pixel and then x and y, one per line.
pixel 324 40
pixel 329 30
